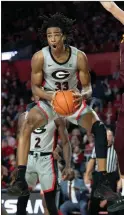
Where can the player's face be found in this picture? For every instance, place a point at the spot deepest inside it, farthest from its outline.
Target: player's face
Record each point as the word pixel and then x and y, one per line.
pixel 55 38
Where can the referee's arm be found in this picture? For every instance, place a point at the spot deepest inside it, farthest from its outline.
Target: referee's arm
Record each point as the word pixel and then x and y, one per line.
pixel 89 170
pixel 90 167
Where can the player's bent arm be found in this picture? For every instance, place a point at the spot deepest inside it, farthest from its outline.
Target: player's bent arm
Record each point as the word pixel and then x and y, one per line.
pixel 37 76
pixel 114 10
pixel 84 74
pixel 63 133
pixel 20 122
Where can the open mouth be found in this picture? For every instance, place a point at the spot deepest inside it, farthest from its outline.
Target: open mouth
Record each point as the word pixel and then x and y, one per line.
pixel 54 46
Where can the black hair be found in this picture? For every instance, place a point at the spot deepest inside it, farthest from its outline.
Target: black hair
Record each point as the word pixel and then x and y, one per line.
pixel 56 20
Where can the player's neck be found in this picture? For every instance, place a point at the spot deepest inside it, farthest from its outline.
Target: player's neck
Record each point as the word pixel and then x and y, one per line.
pixel 59 52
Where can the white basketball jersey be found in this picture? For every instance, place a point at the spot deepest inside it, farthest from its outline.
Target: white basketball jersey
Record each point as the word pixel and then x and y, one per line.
pixel 44 139
pixel 60 76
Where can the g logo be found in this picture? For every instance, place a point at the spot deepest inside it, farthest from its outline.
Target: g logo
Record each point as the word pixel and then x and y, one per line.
pixel 39 130
pixel 61 74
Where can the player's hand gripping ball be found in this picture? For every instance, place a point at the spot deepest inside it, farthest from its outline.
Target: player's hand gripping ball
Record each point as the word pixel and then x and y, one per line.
pixel 64 103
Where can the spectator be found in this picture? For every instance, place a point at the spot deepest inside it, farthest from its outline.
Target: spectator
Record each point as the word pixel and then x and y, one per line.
pixel 87 29
pixel 75 141
pixel 74 193
pixel 117 102
pixel 97 95
pixel 11 140
pixel 78 159
pixel 6 149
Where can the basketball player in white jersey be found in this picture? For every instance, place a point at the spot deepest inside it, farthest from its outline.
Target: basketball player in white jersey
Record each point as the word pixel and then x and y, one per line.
pixel 41 164
pixel 58 64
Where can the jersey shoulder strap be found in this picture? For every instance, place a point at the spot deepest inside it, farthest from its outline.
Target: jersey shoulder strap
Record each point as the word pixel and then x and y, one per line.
pixel 74 50
pixel 45 51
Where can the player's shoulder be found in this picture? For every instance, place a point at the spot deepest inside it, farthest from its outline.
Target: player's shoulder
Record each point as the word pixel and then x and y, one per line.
pixel 73 49
pixel 37 56
pixel 40 54
pixel 46 48
pixel 81 55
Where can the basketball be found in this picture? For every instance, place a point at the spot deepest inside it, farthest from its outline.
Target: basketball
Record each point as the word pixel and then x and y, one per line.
pixel 63 103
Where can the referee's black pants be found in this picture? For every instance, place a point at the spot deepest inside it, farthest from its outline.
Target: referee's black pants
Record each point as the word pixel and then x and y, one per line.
pixel 94 204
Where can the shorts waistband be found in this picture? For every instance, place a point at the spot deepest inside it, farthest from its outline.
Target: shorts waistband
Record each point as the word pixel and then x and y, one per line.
pixel 40 153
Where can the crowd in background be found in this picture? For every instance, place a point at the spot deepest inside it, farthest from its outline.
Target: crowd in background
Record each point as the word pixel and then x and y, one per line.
pixel 93 31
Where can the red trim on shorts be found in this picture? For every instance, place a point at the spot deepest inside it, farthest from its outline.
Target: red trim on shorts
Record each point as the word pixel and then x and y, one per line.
pixel 60 213
pixel 54 176
pixel 45 113
pixel 43 84
pixel 78 116
pixel 30 188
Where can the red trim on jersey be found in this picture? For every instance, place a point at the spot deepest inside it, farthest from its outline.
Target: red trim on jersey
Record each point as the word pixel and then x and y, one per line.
pixel 78 116
pixel 30 188
pixel 55 139
pixel 43 84
pixel 38 104
pixel 77 75
pixel 54 176
pixel 60 213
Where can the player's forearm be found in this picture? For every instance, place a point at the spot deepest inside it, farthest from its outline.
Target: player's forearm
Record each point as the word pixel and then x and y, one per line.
pixel 114 10
pixel 117 12
pixel 67 153
pixel 121 78
pixel 85 78
pixel 42 94
pixel 86 84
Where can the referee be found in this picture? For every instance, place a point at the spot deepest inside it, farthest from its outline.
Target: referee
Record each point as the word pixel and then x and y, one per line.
pixel 92 169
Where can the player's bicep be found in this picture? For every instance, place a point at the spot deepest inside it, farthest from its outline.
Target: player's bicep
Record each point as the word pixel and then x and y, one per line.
pixel 36 79
pixel 83 69
pixel 37 69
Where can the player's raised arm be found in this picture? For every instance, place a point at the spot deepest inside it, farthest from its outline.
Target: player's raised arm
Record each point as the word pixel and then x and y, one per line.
pixel 37 77
pixel 84 74
pixel 114 10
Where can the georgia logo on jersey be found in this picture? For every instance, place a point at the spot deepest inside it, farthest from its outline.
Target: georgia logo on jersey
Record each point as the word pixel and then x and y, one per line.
pixel 60 74
pixel 39 130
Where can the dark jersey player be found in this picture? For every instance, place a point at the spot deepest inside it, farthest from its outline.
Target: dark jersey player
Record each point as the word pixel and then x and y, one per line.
pixel 119 139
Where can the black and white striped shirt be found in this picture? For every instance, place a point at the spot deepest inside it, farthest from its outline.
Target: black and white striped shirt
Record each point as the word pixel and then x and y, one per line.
pixel 112 160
